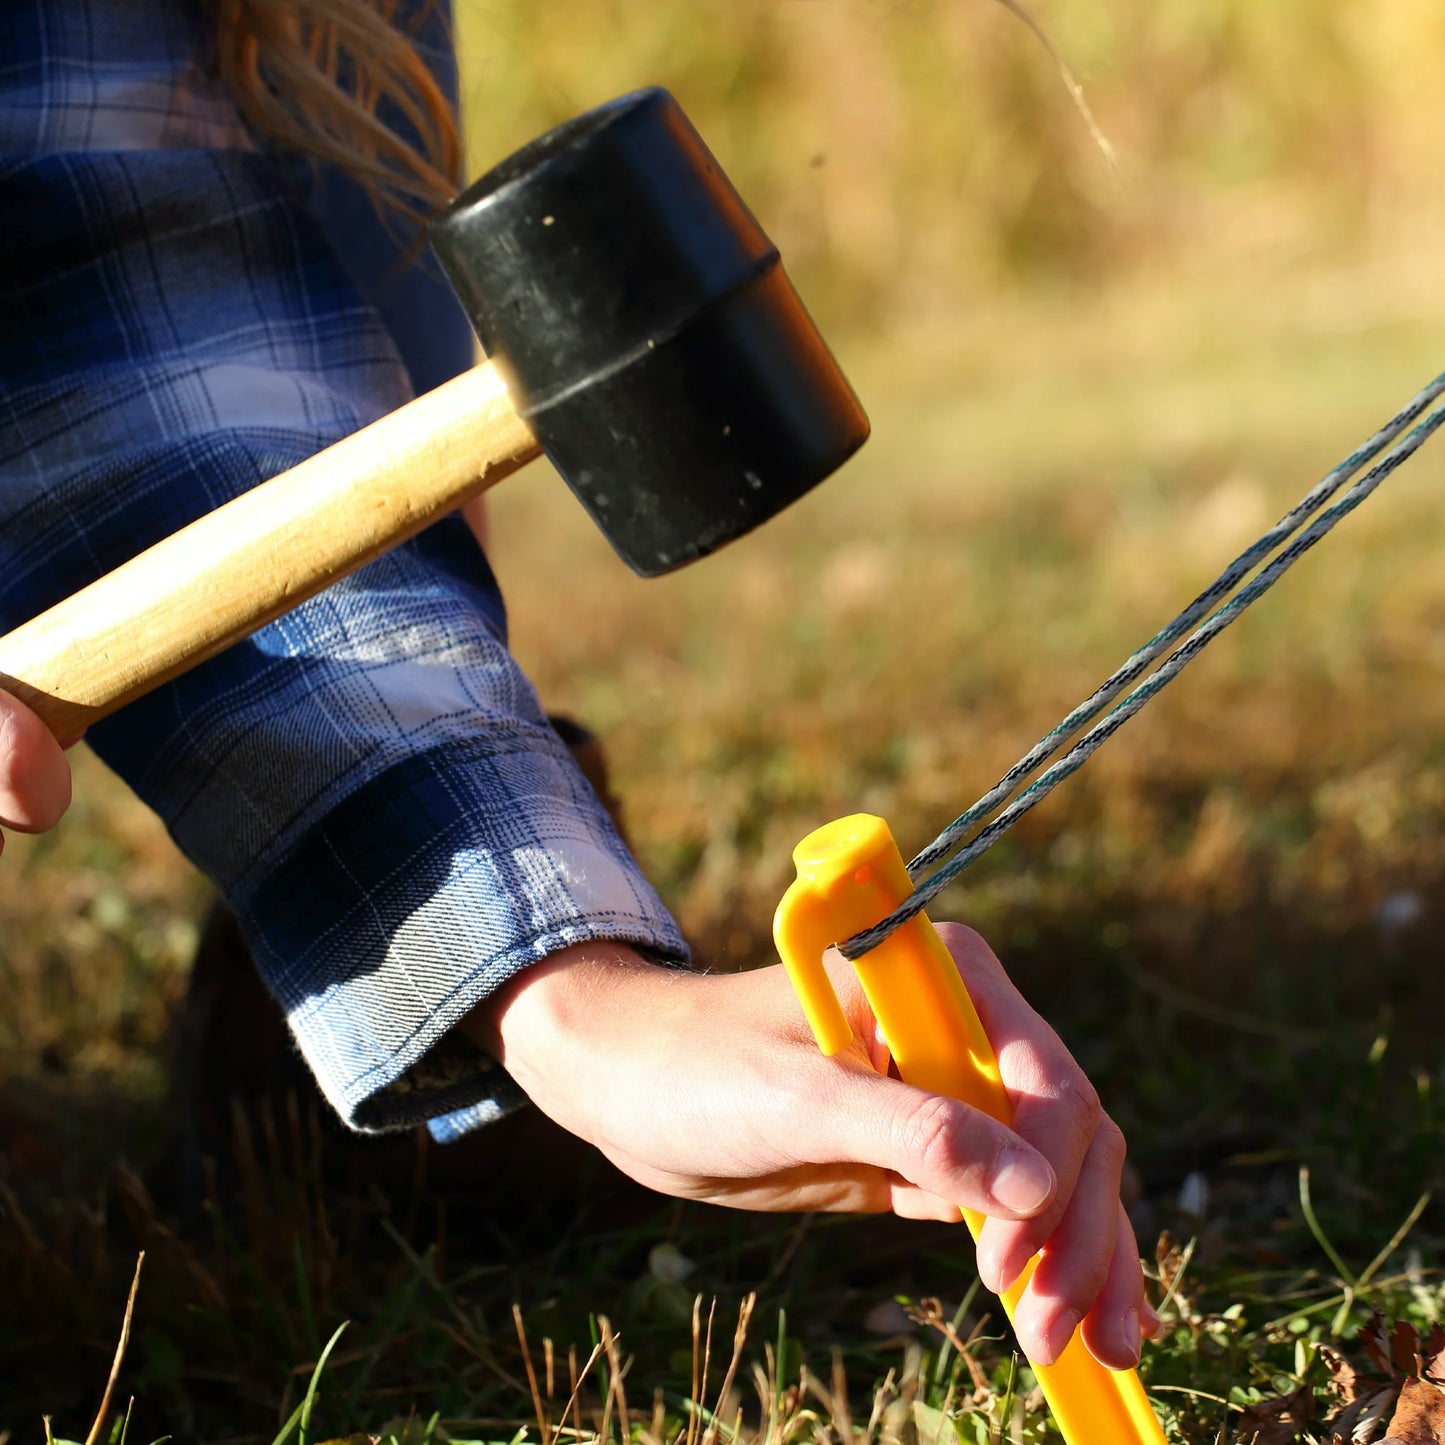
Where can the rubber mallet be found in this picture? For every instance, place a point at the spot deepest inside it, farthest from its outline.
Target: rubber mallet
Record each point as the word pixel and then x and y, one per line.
pixel 640 330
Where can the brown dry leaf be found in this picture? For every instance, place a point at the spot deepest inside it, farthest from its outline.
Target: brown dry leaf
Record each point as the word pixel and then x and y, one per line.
pixel 1419 1418
pixel 1357 1423
pixel 1277 1422
pixel 1395 1350
pixel 1375 1345
pixel 1405 1348
pixel 1433 1354
pixel 1345 1384
pixel 1169 1256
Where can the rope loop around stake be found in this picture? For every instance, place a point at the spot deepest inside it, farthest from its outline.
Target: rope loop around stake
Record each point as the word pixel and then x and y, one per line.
pixel 1227 605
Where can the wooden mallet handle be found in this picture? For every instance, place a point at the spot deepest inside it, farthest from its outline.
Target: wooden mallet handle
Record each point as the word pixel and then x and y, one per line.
pixel 232 571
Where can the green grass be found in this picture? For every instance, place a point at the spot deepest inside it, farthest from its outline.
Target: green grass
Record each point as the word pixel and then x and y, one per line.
pixel 433 1351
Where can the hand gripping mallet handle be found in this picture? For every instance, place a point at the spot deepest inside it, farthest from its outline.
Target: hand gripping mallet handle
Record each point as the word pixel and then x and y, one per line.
pixel 850 875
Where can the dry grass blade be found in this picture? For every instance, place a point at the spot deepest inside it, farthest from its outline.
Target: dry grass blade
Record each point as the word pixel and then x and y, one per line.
pixel 19 1221
pixel 765 1386
pixel 700 1372
pixel 573 1405
pixel 115 1364
pixel 617 1369
pixel 929 1312
pixel 740 1335
pixel 604 1434
pixel 842 1415
pixel 466 1333
pixel 883 1397
pixel 656 1431
pixel 691 1426
pixel 544 1426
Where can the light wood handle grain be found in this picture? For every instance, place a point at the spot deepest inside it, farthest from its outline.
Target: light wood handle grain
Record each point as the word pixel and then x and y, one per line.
pixel 232 571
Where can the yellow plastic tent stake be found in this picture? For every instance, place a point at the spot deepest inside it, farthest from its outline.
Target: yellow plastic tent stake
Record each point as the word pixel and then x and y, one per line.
pixel 850 875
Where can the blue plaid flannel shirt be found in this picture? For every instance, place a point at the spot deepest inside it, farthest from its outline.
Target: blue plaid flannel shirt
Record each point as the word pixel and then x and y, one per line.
pixel 369 780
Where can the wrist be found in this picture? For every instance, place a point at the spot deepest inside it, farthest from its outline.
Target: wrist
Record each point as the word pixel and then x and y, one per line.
pixel 580 1031
pixel 564 1010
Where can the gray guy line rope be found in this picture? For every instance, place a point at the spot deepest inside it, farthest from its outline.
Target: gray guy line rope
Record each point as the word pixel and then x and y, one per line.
pixel 1138 663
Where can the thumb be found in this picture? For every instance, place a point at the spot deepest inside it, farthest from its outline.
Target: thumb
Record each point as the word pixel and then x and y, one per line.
pixel 937 1143
pixel 34 776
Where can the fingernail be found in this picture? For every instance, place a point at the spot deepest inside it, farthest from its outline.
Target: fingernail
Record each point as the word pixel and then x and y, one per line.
pixel 1058 1335
pixel 1021 1182
pixel 1152 1322
pixel 1132 1340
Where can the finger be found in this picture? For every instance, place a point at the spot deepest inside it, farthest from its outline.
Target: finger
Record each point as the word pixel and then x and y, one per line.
pixel 1011 1023
pixel 1085 1219
pixel 936 1143
pixel 907 1201
pixel 1075 1265
pixel 854 1002
pixel 34 776
pixel 879 1054
pixel 1115 1327
pixel 1054 1105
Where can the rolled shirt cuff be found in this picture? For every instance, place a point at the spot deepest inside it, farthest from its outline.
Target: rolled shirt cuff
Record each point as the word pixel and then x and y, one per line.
pixel 418 897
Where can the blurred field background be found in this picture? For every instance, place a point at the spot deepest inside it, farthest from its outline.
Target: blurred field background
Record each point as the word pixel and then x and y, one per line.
pixel 1091 385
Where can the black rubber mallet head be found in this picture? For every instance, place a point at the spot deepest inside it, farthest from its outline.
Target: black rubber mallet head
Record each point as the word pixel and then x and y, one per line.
pixel 639 327
pixel 648 333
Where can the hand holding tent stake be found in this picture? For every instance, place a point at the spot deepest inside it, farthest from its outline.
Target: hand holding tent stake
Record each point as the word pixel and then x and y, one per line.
pixel 850 874
pixel 641 332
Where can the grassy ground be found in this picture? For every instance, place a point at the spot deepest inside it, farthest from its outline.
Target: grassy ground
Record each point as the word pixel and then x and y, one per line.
pixel 1233 914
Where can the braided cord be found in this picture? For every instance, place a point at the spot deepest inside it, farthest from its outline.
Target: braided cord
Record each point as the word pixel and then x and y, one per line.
pixel 1139 661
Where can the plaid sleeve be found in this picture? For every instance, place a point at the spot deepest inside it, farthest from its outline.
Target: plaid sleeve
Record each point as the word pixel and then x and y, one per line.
pixel 369 780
